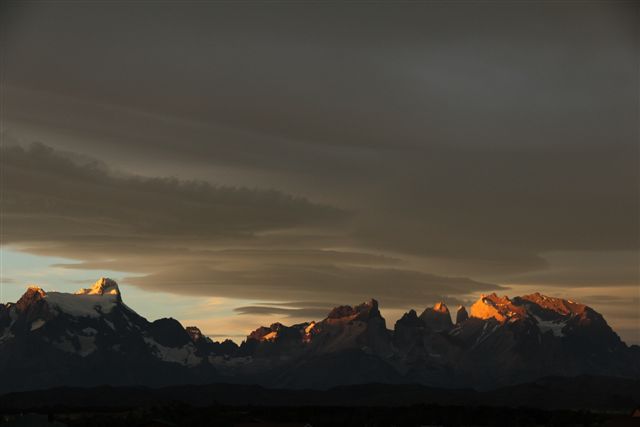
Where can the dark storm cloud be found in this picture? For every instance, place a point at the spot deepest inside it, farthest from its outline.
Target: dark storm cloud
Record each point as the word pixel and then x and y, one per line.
pixel 490 140
pixel 49 197
pixel 193 238
pixel 585 269
pixel 403 74
pixel 488 134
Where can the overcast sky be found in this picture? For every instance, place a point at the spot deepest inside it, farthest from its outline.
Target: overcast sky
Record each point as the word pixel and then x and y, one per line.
pixel 265 161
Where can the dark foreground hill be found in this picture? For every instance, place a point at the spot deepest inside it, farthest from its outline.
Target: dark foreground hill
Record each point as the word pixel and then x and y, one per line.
pixel 581 401
pixel 579 393
pixel 180 415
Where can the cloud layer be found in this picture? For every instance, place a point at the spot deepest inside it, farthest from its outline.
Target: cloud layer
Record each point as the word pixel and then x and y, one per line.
pixel 193 238
pixel 327 153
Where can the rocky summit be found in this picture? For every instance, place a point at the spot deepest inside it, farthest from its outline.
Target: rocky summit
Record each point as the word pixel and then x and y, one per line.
pixel 92 338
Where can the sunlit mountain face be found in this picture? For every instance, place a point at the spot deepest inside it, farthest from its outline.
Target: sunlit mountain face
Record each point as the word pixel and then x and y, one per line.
pixel 91 337
pixel 305 196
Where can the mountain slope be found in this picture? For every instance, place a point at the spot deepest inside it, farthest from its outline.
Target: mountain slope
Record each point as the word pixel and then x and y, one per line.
pixel 91 337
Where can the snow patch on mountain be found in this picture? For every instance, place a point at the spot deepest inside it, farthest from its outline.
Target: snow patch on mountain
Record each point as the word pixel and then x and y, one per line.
pixel 95 301
pixel 548 325
pixel 184 355
pixel 81 305
pixel 37 324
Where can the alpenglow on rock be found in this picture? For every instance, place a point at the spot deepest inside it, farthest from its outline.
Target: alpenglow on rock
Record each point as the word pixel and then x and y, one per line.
pixel 103 286
pixel 91 337
pixel 437 318
pixel 495 307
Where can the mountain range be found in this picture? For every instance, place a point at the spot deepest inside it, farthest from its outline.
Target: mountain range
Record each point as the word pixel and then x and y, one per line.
pixel 91 338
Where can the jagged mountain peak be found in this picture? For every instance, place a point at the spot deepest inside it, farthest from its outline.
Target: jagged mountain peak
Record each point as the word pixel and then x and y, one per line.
pixel 95 301
pixel 461 314
pixel 35 289
pixel 554 336
pixel 534 305
pixel 103 286
pixel 500 308
pixel 495 300
pixel 409 319
pixel 410 315
pixel 441 307
pixel 437 317
pixel 263 333
pixel 277 326
pixel 558 305
pixel 341 315
pixel 341 311
pixel 33 293
pixel 364 311
pixel 369 308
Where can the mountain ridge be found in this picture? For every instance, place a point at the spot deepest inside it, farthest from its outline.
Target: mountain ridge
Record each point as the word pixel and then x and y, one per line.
pixel 91 337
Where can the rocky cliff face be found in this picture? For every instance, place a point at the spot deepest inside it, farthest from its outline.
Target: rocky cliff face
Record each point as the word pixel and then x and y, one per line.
pixel 91 337
pixel 437 318
pixel 461 315
pixel 502 341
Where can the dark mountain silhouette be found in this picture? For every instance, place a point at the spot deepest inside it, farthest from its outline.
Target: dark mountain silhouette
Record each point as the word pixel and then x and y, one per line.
pixel 91 338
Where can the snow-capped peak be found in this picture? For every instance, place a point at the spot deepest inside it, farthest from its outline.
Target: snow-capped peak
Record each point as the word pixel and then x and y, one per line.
pixel 36 289
pixel 95 301
pixel 103 286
